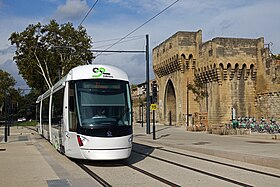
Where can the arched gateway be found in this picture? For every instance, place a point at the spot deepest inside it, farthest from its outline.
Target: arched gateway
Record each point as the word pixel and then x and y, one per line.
pixel 170 103
pixel 225 67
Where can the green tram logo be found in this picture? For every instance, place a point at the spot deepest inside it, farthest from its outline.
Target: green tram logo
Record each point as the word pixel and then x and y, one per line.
pixel 98 72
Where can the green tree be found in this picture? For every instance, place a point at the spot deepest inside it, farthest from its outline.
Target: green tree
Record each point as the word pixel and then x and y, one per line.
pixel 26 106
pixel 46 52
pixel 198 89
pixel 277 57
pixel 7 83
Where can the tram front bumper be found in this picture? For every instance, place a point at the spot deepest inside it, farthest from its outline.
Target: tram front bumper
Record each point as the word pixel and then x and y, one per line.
pixel 106 154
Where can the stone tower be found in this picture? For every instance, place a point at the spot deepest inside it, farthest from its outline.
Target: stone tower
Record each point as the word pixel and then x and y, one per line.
pixel 227 66
pixel 231 69
pixel 174 63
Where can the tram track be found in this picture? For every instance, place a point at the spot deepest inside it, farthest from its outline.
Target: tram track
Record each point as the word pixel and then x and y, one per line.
pixel 150 174
pixel 102 171
pixel 104 183
pixel 100 180
pixel 195 170
pixel 212 161
pixel 221 163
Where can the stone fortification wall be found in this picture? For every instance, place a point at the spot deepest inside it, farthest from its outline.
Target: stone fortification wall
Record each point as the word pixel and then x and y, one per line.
pixel 238 73
pixel 268 105
pixel 268 88
pixel 167 56
pixel 228 67
pixel 174 63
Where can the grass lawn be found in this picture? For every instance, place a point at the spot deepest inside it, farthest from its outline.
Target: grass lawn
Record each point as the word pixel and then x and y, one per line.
pixel 27 123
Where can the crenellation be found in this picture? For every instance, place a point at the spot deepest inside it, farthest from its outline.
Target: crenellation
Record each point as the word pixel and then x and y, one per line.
pixel 237 73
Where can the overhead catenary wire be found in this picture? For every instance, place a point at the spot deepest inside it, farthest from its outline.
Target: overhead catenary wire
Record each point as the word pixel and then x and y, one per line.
pixel 88 13
pixel 127 40
pixel 114 39
pixel 137 28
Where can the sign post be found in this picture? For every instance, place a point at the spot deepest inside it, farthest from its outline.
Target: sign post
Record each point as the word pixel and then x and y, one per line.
pixel 154 126
pixel 154 107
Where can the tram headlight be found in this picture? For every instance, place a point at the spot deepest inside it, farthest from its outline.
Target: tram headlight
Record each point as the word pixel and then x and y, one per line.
pixel 130 139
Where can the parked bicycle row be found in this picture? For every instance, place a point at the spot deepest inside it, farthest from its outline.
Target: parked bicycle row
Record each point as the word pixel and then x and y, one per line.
pixel 261 126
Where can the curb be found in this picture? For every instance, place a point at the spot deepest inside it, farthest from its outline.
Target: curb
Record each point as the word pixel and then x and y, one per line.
pixel 252 159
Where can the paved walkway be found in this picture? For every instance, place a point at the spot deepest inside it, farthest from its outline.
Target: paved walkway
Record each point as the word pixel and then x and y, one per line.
pixel 260 149
pixel 29 160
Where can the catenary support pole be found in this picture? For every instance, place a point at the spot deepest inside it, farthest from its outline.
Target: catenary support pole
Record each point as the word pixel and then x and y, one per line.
pixel 147 76
pixel 147 87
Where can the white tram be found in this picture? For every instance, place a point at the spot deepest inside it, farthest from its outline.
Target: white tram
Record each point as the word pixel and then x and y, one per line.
pixel 88 114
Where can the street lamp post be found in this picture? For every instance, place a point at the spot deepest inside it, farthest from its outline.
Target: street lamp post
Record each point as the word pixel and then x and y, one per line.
pixel 187 102
pixel 6 117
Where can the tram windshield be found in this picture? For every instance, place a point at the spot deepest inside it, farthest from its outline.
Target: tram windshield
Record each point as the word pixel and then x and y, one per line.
pixel 103 103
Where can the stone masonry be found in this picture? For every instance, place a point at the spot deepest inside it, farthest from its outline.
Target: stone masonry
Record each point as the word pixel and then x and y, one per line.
pixel 237 73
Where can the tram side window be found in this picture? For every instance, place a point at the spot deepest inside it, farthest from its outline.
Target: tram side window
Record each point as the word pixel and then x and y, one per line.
pixel 72 109
pixel 38 112
pixel 45 114
pixel 57 108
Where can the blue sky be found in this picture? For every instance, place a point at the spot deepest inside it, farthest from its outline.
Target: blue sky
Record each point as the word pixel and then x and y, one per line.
pixel 113 19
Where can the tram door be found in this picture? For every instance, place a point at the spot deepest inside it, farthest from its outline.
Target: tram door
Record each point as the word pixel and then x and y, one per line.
pixel 71 146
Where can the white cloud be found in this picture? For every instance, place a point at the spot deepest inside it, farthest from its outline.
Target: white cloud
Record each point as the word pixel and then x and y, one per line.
pixel 252 21
pixel 72 10
pixel 143 5
pixel 6 54
pixel 11 67
pixel 132 63
pixel 7 64
pixel 216 18
pixel 13 24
